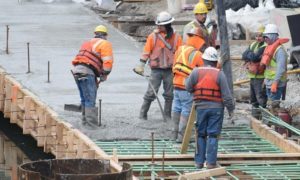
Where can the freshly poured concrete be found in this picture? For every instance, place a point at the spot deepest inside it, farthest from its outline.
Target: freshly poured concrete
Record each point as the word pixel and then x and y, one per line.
pixel 55 32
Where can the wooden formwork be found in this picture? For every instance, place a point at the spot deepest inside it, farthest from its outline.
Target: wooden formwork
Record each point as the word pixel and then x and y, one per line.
pixel 36 119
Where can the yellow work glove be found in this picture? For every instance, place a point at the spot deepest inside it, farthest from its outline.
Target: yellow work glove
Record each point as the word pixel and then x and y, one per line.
pixel 139 69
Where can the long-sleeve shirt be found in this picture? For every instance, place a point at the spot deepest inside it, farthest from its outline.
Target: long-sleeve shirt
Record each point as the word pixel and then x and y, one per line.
pixel 280 58
pixel 228 101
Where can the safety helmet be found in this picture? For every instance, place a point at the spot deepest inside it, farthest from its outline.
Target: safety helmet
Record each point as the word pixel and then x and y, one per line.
pixel 164 18
pixel 260 29
pixel 200 8
pixel 210 54
pixel 271 29
pixel 101 28
pixel 195 31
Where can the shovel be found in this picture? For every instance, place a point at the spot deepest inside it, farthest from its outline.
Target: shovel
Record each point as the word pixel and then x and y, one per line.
pixel 152 87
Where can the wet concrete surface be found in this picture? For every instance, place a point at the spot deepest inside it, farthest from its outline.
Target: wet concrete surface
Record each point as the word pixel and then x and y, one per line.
pixel 55 32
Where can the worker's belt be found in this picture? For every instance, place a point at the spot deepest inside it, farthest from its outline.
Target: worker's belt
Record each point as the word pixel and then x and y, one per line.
pixel 90 67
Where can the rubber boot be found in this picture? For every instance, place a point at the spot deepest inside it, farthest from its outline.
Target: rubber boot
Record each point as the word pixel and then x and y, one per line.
pixel 175 121
pixel 181 130
pixel 144 109
pixel 91 115
pixel 167 109
pixel 83 119
pixel 212 150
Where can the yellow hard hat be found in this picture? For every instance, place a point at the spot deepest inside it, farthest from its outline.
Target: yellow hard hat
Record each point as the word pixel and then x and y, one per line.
pixel 101 28
pixel 260 29
pixel 200 8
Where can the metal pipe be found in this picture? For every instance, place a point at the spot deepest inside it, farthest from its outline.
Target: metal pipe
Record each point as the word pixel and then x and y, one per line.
pixel 99 112
pixel 28 58
pixel 152 149
pixel 7 34
pixel 48 72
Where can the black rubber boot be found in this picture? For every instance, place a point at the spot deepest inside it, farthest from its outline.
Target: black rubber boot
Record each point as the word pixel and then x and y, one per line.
pixel 144 110
pixel 168 109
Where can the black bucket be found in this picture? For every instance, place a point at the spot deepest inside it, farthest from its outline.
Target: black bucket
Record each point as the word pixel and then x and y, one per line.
pixel 72 169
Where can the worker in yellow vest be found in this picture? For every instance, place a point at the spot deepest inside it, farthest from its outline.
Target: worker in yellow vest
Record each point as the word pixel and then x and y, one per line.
pixel 252 57
pixel 276 68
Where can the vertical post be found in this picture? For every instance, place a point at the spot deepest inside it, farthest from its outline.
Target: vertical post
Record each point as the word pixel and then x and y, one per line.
pixel 225 53
pixel 48 81
pixel 7 35
pixel 163 164
pixel 152 147
pixel 99 112
pixel 28 58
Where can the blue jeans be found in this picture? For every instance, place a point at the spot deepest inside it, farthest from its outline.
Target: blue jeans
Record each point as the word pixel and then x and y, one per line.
pixel 275 96
pixel 182 102
pixel 209 126
pixel 88 90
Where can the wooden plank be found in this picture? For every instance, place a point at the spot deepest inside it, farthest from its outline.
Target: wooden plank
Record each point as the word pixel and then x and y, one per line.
pixel 203 174
pixel 27 120
pixel 188 131
pixel 2 91
pixel 41 126
pixel 7 102
pixel 267 133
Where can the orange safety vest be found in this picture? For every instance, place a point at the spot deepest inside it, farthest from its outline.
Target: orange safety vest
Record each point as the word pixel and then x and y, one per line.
pixel 161 51
pixel 186 59
pixel 97 55
pixel 207 87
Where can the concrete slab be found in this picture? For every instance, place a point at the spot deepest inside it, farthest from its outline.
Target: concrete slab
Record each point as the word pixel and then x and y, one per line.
pixel 55 32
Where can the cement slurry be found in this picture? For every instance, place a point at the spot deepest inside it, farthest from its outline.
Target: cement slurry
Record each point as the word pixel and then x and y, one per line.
pixel 55 32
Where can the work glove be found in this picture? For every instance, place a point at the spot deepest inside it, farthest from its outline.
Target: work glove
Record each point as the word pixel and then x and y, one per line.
pixel 274 87
pixel 102 78
pixel 139 69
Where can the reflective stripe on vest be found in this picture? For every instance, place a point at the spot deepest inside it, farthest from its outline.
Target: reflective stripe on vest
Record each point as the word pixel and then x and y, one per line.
pixel 204 31
pixel 270 71
pixel 163 57
pixel 182 66
pixel 207 87
pixel 89 56
pixel 255 47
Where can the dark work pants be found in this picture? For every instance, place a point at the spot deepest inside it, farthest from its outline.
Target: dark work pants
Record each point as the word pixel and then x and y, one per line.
pixel 258 95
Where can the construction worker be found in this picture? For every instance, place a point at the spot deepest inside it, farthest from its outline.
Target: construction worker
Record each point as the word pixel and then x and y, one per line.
pixel 187 57
pixel 276 65
pixel 211 93
pixel 94 60
pixel 252 57
pixel 200 11
pixel 159 49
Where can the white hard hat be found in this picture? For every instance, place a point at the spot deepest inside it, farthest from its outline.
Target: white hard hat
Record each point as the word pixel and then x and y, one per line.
pixel 271 29
pixel 164 18
pixel 210 54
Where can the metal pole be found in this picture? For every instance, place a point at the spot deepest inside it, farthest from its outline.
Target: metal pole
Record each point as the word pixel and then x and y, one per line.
pixel 225 53
pixel 99 112
pixel 7 34
pixel 152 144
pixel 48 72
pixel 28 58
pixel 163 164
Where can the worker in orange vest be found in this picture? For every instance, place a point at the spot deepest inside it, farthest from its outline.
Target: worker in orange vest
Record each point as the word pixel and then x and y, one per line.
pixel 211 93
pixel 159 51
pixel 187 57
pixel 92 65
